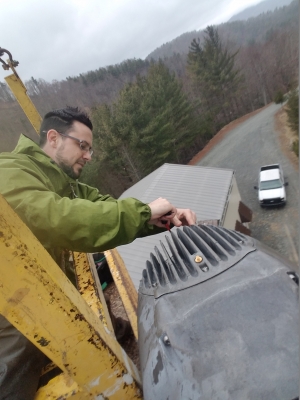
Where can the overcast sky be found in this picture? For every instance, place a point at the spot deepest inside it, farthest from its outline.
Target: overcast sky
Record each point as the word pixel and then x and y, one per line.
pixel 53 39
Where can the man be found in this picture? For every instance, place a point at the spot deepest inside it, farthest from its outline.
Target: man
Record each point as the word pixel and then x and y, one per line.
pixel 40 183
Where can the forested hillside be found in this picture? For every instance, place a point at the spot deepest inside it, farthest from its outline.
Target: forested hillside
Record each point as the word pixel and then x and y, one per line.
pixel 257 9
pixel 147 112
pixel 253 30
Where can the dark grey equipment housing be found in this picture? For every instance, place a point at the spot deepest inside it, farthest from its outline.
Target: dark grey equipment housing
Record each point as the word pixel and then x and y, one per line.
pixel 218 319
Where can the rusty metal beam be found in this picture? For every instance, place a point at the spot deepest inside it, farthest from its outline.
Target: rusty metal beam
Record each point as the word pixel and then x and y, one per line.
pixel 43 304
pixel 89 287
pixel 19 90
pixel 124 285
pixel 60 387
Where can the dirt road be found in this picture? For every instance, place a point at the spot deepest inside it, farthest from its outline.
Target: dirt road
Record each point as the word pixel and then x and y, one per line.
pixel 246 144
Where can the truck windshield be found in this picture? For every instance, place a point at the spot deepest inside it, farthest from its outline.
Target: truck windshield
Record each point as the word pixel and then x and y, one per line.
pixel 267 185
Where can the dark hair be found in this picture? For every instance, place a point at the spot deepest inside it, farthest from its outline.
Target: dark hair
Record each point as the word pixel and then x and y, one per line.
pixel 62 120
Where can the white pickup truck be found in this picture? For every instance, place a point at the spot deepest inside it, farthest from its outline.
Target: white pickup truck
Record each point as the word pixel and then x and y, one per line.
pixel 271 186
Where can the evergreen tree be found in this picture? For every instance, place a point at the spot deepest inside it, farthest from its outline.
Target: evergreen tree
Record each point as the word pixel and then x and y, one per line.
pixel 217 80
pixel 113 142
pixel 159 117
pixel 151 123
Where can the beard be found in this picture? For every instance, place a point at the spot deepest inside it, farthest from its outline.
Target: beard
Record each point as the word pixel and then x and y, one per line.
pixel 69 170
pixel 65 166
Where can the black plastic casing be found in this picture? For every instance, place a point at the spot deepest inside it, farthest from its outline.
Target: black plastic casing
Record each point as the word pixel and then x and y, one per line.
pixel 222 327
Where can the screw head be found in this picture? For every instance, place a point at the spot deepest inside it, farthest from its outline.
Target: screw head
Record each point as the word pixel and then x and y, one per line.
pixel 166 340
pixel 198 259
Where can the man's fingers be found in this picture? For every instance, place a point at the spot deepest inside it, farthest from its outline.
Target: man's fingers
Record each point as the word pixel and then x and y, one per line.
pixel 161 208
pixel 187 216
pixel 176 221
pixel 163 212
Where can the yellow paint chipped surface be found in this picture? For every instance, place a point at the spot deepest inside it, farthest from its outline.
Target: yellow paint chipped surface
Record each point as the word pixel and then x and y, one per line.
pixel 44 305
pixel 125 286
pixel 20 92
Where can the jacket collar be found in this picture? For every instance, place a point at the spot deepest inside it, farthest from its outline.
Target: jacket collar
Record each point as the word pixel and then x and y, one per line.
pixel 30 148
pixel 27 146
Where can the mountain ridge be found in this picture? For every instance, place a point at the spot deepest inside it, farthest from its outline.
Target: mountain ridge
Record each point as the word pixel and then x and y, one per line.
pixel 181 43
pixel 254 11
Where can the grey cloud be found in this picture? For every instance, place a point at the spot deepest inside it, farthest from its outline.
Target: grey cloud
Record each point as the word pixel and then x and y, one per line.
pixel 59 38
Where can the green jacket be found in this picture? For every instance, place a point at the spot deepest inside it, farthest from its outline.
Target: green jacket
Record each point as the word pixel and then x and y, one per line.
pixel 64 213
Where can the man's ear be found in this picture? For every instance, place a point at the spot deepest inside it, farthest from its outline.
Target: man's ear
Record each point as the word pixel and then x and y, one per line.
pixel 52 138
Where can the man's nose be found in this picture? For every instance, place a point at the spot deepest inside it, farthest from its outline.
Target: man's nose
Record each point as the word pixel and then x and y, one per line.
pixel 87 156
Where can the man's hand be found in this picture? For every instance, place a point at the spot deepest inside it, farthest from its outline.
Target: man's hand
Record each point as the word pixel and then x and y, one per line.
pixel 163 210
pixel 186 216
pixel 159 208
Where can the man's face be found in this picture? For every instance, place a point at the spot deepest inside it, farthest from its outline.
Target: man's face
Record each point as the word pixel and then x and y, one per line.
pixel 69 155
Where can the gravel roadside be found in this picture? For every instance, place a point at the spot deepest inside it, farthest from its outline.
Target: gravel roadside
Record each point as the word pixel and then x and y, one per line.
pixel 256 139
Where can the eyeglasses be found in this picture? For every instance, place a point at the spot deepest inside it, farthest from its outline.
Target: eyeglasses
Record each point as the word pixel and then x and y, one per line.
pixel 84 146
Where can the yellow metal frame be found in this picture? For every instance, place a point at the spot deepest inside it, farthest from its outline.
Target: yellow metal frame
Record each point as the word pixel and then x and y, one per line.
pixel 43 305
pixel 125 286
pixel 89 287
pixel 19 90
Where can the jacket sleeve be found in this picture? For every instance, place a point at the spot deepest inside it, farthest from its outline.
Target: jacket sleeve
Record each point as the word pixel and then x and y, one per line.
pixel 92 194
pixel 86 225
